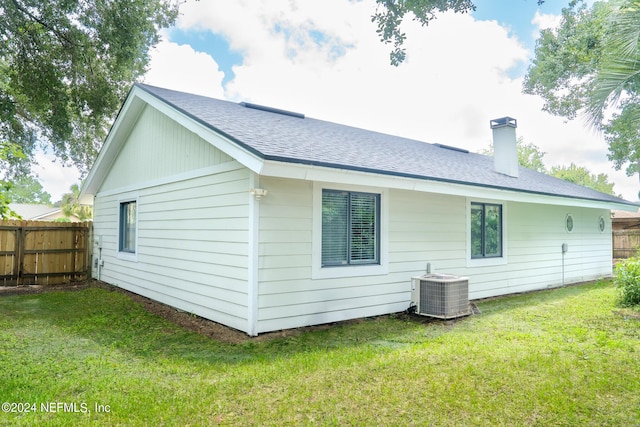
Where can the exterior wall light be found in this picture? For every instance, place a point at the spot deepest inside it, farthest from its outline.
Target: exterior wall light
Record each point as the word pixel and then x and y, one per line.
pixel 258 193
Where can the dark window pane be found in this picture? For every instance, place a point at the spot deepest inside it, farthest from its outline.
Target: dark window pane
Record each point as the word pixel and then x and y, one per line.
pixel 486 230
pixel 128 218
pixel 476 230
pixel 493 231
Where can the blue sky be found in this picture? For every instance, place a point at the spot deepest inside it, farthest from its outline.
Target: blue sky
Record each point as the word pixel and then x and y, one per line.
pixel 324 59
pixel 213 44
pixel 516 15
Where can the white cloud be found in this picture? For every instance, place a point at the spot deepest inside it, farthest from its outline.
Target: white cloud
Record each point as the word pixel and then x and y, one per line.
pixel 543 21
pixel 55 178
pixel 179 67
pixel 324 59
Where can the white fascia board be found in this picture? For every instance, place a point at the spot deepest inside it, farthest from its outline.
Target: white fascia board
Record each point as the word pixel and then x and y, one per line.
pixel 118 133
pixel 345 176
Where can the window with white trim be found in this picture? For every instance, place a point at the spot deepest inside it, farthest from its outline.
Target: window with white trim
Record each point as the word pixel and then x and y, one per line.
pixel 350 228
pixel 486 230
pixel 127 227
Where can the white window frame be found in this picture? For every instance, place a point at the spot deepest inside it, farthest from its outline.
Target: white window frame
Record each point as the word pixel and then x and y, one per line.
pixel 490 261
pixel 333 272
pixel 128 256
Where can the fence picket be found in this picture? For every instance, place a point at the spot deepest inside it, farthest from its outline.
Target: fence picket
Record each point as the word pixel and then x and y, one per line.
pixel 37 252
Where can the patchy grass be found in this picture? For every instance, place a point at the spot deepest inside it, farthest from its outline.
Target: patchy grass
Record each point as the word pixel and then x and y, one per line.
pixel 562 357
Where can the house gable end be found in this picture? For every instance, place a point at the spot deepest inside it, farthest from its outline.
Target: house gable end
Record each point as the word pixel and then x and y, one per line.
pixel 128 119
pixel 156 147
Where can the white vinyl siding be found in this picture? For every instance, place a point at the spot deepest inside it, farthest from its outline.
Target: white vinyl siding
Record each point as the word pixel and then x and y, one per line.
pixel 192 211
pixel 192 245
pixel 158 147
pixel 422 228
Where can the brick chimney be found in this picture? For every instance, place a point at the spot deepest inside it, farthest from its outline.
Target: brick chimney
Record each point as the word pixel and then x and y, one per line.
pixel 505 150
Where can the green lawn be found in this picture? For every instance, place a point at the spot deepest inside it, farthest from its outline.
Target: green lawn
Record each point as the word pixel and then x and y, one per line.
pixel 561 357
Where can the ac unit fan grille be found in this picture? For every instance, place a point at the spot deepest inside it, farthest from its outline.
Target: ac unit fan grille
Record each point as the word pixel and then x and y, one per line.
pixel 444 299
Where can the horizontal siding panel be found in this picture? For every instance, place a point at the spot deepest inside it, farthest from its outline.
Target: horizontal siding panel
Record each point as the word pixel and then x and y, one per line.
pixel 289 236
pixel 329 296
pixel 218 266
pixel 195 212
pixel 283 261
pixel 290 273
pixel 329 285
pixel 169 287
pixel 236 199
pixel 203 307
pixel 196 246
pixel 196 235
pixel 202 224
pixel 215 254
pixel 192 248
pixel 285 249
pixel 278 224
pixel 323 306
pixel 328 317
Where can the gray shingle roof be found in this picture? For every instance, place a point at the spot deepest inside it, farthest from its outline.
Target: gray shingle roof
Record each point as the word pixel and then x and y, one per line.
pixel 281 137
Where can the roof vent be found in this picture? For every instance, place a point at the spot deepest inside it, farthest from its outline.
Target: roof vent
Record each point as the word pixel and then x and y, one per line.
pixel 448 147
pixel 272 110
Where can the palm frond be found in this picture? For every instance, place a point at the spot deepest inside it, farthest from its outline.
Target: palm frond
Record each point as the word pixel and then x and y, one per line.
pixel 620 68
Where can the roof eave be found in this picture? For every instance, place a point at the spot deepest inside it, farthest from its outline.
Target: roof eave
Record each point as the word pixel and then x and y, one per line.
pixel 319 171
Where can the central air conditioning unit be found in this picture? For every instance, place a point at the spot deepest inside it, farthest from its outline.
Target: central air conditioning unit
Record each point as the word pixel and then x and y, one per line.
pixel 444 296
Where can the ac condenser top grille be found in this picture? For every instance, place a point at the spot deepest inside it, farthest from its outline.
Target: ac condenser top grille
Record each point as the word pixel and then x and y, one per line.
pixel 442 296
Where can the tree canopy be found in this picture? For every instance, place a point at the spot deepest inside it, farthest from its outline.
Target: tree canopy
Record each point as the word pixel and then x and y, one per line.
pixel 390 14
pixel 582 176
pixel 27 189
pixel 530 156
pixel 65 66
pixel 590 65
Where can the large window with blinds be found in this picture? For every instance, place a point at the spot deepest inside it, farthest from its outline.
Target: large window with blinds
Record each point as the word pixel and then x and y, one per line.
pixel 350 228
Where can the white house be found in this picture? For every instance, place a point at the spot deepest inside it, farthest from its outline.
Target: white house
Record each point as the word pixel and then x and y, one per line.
pixel 263 219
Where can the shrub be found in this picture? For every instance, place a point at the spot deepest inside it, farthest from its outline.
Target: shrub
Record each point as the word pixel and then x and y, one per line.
pixel 627 280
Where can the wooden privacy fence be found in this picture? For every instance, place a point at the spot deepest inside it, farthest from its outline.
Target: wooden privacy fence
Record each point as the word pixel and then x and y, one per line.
pixel 625 243
pixel 43 253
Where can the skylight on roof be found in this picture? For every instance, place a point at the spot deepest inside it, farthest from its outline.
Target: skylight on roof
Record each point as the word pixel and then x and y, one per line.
pixel 272 110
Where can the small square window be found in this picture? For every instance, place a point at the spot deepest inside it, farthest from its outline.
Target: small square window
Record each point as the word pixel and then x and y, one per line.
pixel 128 225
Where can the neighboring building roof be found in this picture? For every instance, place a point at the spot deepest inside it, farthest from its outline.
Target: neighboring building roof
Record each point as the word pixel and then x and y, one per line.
pixel 276 135
pixel 35 212
pixel 625 215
